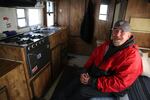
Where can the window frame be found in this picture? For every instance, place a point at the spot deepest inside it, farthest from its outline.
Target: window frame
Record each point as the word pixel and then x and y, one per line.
pixel 102 13
pixel 26 18
pixel 51 12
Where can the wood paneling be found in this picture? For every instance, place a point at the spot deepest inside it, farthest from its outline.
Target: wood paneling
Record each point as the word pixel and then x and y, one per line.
pixel 3 93
pixel 56 60
pixel 78 46
pixel 77 10
pixel 18 54
pixel 102 28
pixel 63 12
pixel 54 39
pixel 16 84
pixel 6 66
pixel 72 15
pixel 10 52
pixel 58 42
pixel 64 35
pixel 142 39
pixel 138 8
pixel 41 82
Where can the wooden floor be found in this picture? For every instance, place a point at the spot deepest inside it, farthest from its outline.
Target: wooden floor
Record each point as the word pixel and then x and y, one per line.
pixel 74 59
pixel 51 90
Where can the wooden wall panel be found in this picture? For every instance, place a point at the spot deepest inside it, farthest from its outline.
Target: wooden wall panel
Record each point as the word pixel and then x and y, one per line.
pixel 77 9
pixel 63 12
pixel 72 16
pixel 78 46
pixel 41 82
pixel 15 83
pixel 10 52
pixel 138 8
pixel 102 28
pixel 142 39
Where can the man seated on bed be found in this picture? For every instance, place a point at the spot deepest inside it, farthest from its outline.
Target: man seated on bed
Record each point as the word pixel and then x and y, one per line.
pixel 112 67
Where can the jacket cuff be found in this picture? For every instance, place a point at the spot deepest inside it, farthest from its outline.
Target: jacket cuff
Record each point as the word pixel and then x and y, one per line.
pixel 93 82
pixel 84 70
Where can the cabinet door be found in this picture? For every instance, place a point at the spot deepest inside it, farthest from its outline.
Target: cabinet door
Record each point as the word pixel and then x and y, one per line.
pixel 54 39
pixel 64 35
pixel 56 56
pixel 16 84
pixel 41 82
pixel 3 93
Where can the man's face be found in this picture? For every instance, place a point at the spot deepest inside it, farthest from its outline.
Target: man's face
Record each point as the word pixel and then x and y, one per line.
pixel 119 36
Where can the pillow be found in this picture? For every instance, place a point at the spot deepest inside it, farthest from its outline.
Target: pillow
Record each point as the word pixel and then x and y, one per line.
pixel 146 64
pixel 145 55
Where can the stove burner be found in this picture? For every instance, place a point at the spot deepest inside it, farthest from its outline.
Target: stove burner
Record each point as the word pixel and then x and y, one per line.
pixel 23 39
pixel 37 37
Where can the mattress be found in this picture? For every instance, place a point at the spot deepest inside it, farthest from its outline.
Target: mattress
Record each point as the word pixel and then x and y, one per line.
pixel 140 89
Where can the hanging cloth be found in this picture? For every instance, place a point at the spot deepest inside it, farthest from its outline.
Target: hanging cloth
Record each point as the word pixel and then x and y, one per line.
pixel 87 25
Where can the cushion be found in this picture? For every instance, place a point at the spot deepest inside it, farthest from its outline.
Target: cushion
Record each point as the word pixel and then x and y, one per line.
pixel 146 64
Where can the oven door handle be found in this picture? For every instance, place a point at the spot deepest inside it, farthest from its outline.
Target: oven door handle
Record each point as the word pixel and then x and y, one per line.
pixel 32 54
pixel 38 56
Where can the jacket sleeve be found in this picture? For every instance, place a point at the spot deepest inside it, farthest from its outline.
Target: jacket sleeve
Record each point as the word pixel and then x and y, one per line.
pixel 98 51
pixel 124 76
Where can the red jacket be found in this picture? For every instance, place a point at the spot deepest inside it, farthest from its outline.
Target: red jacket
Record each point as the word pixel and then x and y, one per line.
pixel 126 63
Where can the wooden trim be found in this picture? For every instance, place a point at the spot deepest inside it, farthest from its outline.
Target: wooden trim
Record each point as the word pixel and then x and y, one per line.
pixel 143 48
pixel 4 89
pixel 25 67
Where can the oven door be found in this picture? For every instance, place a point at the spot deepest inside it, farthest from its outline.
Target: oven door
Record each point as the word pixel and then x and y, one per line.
pixel 38 58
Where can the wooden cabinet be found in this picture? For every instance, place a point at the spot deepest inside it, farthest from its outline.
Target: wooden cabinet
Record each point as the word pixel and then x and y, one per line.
pixel 3 93
pixel 64 47
pixel 13 78
pixel 58 44
pixel 64 35
pixel 56 66
pixel 41 82
pixel 54 39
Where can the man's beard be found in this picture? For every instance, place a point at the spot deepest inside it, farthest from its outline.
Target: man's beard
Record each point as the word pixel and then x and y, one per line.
pixel 117 42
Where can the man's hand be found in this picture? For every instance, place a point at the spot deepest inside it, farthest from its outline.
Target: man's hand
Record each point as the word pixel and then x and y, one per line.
pixel 84 78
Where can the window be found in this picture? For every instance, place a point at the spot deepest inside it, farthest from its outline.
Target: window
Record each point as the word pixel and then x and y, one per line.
pixel 29 17
pixel 21 16
pixel 103 12
pixel 50 13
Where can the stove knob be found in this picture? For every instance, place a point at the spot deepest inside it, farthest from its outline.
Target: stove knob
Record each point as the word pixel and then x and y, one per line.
pixel 29 48
pixel 32 45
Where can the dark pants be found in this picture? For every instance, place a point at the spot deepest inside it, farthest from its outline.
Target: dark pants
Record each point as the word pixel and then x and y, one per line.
pixel 74 90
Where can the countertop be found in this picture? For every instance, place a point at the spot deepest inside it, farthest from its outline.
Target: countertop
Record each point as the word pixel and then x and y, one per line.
pixel 7 65
pixel 49 30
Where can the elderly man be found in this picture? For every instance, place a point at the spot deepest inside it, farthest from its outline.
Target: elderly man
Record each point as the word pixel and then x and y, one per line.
pixel 111 69
pixel 113 66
